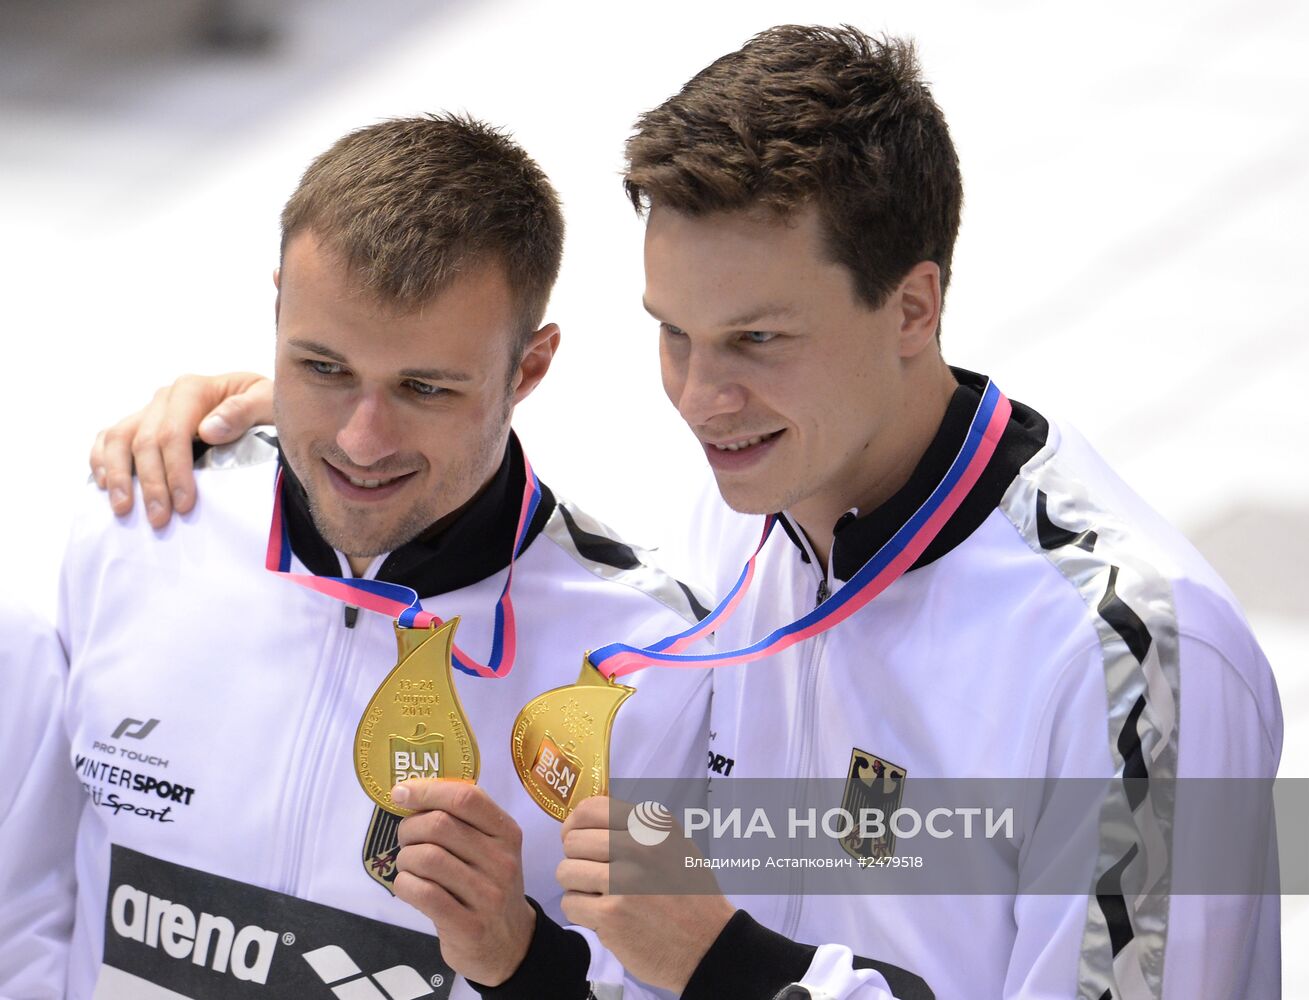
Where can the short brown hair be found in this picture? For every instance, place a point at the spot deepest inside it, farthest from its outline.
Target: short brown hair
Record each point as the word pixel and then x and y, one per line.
pixel 410 203
pixel 812 114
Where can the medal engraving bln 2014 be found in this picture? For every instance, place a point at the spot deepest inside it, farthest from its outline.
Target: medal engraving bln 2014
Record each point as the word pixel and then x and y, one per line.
pixel 560 742
pixel 414 725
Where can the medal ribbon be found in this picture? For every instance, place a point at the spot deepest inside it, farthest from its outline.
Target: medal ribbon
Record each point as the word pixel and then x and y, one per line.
pixel 397 601
pixel 885 566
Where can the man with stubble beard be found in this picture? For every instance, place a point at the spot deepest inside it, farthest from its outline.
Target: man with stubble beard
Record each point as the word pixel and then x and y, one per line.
pixel 212 701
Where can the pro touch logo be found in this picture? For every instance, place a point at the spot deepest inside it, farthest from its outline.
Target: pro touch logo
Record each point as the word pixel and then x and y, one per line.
pixel 134 729
pixel 206 939
pixel 400 982
pixel 650 823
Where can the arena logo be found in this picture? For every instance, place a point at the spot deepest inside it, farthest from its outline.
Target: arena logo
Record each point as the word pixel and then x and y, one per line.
pixel 336 968
pixel 206 939
pixel 187 932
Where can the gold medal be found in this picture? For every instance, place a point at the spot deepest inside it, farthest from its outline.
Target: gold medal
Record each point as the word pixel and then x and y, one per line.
pixel 414 726
pixel 561 739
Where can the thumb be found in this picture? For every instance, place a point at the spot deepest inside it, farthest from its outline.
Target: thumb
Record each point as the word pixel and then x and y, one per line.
pixel 234 416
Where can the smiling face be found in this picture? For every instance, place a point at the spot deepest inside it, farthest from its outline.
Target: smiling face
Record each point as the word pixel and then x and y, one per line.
pixel 803 398
pixel 393 421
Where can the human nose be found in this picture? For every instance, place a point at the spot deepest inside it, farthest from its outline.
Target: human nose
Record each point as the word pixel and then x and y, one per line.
pixel 701 383
pixel 368 435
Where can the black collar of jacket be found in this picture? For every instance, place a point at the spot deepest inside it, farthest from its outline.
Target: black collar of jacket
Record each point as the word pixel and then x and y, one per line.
pixel 476 545
pixel 856 539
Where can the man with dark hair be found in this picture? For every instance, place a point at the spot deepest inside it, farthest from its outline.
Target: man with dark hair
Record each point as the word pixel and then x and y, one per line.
pixel 812 117
pixel 1024 615
pixel 224 840
pixel 960 589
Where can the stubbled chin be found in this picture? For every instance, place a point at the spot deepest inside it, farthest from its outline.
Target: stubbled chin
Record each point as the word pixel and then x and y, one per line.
pixel 744 501
pixel 346 529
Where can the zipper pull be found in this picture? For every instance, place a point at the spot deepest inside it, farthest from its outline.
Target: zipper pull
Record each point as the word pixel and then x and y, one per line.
pixel 824 592
pixel 351 615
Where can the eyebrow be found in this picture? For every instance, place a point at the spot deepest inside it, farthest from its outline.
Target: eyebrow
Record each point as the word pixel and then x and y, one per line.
pixel 431 374
pixel 745 319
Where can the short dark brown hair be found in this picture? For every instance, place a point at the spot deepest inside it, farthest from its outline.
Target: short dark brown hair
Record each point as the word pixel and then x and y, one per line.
pixel 409 204
pixel 803 115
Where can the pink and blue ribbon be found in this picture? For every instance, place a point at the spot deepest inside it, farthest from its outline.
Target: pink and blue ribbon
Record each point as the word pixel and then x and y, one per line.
pixel 885 566
pixel 397 601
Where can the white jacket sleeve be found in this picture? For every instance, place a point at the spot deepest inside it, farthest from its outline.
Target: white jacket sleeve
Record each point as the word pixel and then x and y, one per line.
pixel 1142 947
pixel 1227 945
pixel 40 801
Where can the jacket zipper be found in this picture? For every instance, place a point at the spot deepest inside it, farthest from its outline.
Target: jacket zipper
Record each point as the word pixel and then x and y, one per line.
pixel 319 727
pixel 804 712
pixel 318 724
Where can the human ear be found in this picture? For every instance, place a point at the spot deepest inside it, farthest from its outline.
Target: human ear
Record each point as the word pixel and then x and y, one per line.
pixel 540 351
pixel 919 297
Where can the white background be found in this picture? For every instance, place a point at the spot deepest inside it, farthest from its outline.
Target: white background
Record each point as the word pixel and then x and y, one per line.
pixel 1133 253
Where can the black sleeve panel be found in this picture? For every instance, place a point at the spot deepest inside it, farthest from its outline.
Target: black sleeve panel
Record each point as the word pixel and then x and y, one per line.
pixel 554 967
pixel 748 961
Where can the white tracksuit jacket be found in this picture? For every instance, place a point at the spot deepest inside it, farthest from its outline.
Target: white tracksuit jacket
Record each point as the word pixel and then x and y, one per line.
pixel 212 706
pixel 38 794
pixel 1057 628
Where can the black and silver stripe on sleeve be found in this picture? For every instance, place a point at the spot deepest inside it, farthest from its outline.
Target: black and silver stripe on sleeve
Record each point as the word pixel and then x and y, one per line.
pixel 601 552
pixel 1124 937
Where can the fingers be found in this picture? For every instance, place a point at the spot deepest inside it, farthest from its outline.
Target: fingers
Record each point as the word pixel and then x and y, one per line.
pixel 433 863
pixel 97 460
pixel 115 464
pixel 593 813
pixel 480 872
pixel 580 909
pixel 157 440
pixel 427 897
pixel 588 845
pixel 162 452
pixel 249 402
pixel 460 799
pixel 134 443
pixel 226 405
pixel 590 877
pixel 462 840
